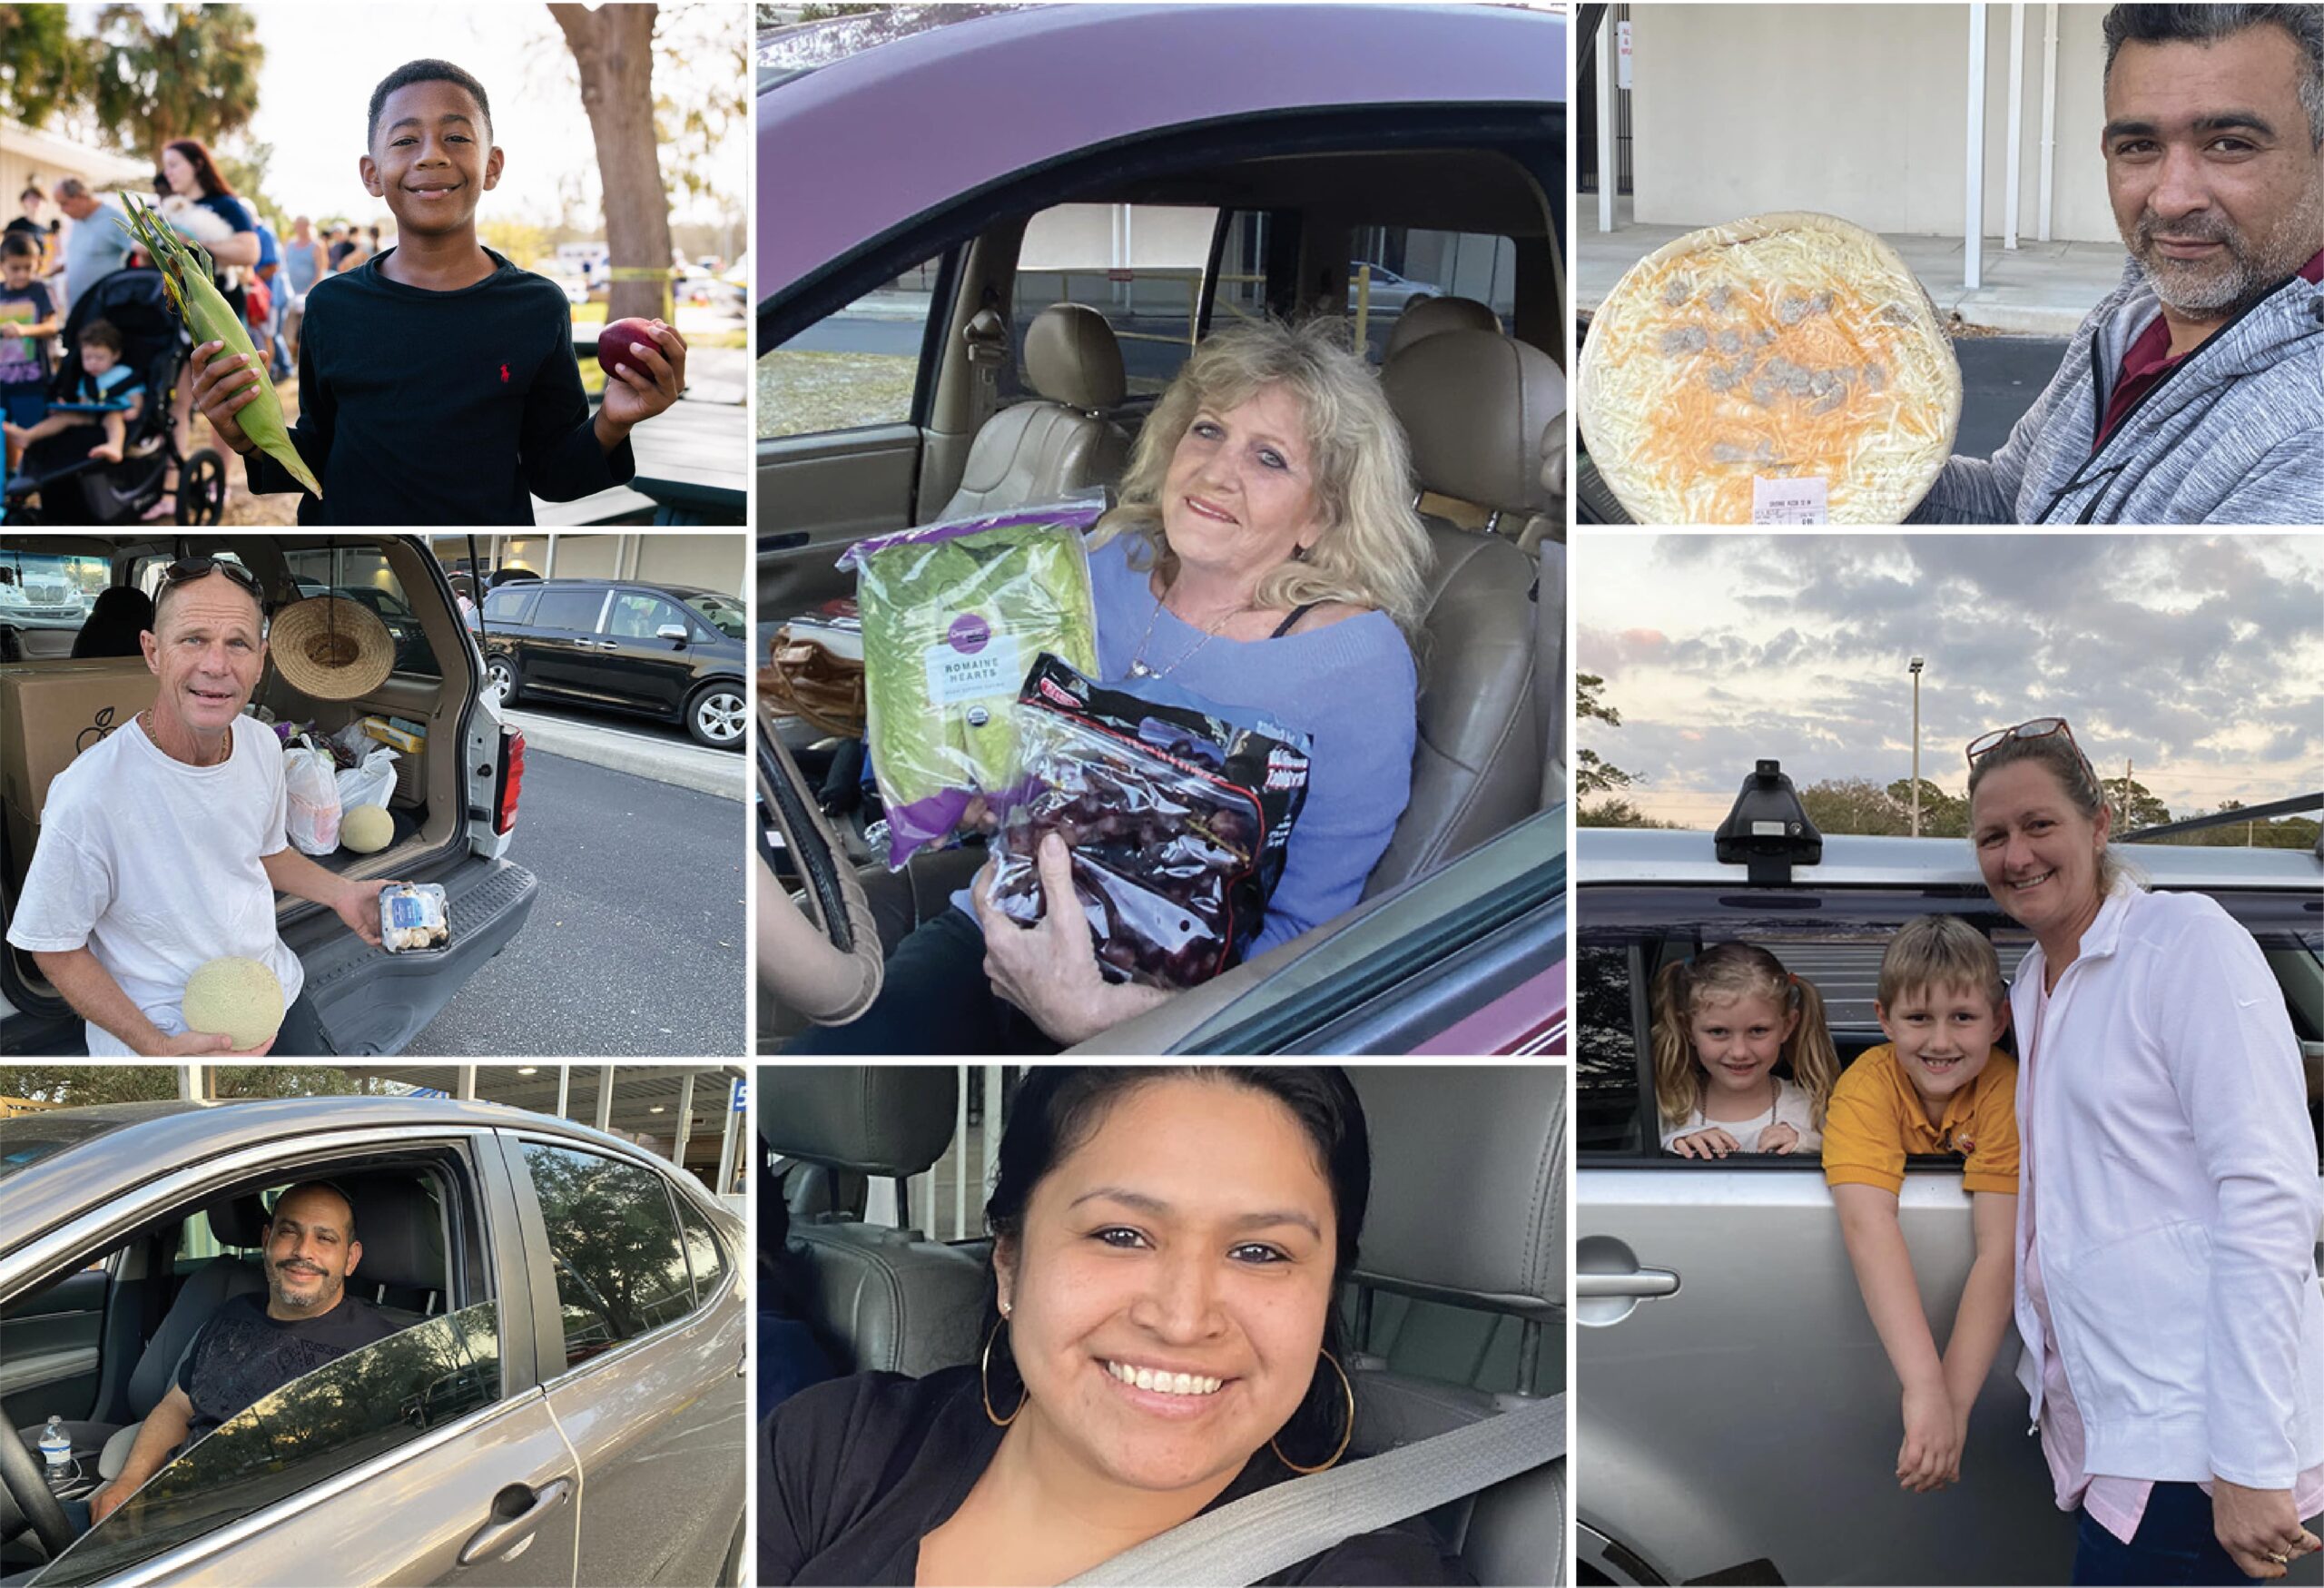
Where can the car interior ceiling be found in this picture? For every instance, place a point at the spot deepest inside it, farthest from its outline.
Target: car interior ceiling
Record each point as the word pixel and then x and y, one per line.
pixel 426 804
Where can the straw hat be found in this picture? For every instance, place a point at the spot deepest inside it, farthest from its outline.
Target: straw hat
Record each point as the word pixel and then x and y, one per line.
pixel 331 648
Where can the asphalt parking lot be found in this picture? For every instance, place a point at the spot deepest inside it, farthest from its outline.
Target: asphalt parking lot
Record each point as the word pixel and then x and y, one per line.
pixel 635 944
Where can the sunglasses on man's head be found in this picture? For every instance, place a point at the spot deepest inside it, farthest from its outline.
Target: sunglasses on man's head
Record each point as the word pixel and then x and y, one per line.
pixel 197 568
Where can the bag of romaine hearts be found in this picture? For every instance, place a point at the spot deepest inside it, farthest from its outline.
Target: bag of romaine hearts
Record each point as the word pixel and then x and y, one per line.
pixel 953 614
pixel 1177 818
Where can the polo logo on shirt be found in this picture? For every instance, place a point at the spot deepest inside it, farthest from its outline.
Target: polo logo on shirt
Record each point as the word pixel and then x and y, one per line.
pixel 504 374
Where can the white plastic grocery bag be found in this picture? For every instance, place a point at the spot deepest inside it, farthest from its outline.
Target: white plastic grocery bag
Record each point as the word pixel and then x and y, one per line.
pixel 369 782
pixel 313 803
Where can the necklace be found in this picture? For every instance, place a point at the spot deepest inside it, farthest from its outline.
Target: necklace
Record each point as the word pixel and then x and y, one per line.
pixel 145 722
pixel 1138 667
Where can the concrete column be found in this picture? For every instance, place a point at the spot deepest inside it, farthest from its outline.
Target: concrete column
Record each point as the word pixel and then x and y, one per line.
pixel 686 1120
pixel 2049 118
pixel 733 1134
pixel 190 1083
pixel 1973 237
pixel 605 1098
pixel 550 571
pixel 464 1087
pixel 992 1078
pixel 1607 164
pixel 564 1088
pixel 2017 120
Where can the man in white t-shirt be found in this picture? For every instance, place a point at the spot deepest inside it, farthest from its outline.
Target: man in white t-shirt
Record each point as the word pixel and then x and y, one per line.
pixel 163 846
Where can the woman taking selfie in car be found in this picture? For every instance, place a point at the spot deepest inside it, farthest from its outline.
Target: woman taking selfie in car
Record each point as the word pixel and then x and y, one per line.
pixel 1265 556
pixel 1160 1339
pixel 2167 1215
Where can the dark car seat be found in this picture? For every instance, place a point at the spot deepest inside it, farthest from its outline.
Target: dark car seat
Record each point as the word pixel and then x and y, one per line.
pixel 1063 443
pixel 877 1298
pixel 400 1228
pixel 120 615
pixel 1473 404
pixel 237 1221
pixel 1468 1207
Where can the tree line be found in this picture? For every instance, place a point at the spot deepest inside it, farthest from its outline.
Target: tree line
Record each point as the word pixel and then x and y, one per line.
pixel 1864 806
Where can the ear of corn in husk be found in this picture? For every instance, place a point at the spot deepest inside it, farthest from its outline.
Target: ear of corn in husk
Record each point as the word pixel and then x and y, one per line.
pixel 188 273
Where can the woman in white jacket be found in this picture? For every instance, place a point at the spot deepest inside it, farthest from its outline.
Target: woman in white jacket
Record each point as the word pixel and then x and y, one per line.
pixel 2167 1288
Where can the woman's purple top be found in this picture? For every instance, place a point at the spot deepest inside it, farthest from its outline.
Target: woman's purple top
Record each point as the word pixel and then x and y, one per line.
pixel 1351 686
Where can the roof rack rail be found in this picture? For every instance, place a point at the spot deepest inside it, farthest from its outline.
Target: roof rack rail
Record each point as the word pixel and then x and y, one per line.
pixel 2291 808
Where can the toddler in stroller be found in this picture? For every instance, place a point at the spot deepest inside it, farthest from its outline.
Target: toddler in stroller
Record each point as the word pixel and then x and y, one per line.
pixel 61 480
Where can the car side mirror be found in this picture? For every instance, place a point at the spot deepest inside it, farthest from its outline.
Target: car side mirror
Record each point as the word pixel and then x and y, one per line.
pixel 673 632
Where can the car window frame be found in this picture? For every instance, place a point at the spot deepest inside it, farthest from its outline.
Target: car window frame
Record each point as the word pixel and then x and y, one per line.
pixel 517 592
pixel 554 1372
pixel 181 1192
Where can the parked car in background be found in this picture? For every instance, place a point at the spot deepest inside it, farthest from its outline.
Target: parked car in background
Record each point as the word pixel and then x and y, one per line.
pixel 564 1400
pixel 454 806
pixel 669 651
pixel 1724 1352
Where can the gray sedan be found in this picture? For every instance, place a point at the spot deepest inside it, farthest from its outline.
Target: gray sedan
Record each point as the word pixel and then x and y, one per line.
pixel 564 1401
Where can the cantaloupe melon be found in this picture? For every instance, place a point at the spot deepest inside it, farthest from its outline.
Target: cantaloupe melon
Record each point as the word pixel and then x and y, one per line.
pixel 235 998
pixel 367 829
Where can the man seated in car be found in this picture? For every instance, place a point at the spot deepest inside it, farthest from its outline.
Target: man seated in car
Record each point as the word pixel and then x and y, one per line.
pixel 251 1347
pixel 163 844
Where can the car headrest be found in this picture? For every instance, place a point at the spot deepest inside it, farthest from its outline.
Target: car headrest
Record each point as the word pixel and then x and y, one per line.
pixel 401 1233
pixel 1432 315
pixel 237 1221
pixel 1071 357
pixel 1474 403
pixel 1468 1182
pixel 893 1120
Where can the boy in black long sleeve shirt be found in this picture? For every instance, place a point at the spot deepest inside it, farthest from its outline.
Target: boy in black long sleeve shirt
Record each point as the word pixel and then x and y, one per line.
pixel 437 381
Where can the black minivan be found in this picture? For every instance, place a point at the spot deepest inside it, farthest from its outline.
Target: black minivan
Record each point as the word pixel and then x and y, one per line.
pixel 670 651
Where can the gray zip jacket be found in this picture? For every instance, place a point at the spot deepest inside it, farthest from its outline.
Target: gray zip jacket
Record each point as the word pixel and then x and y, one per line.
pixel 2232 434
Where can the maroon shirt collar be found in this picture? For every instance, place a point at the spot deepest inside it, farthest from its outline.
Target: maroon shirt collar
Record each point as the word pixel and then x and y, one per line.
pixel 2149 356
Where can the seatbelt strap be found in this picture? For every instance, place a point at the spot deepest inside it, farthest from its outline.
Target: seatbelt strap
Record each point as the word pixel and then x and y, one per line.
pixel 1261 1534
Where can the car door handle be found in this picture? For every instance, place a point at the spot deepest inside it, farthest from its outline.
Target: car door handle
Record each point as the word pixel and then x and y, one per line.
pixel 1642 1282
pixel 517 1511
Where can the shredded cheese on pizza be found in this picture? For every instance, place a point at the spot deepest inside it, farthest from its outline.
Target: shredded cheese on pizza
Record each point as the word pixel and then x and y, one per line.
pixel 1790 346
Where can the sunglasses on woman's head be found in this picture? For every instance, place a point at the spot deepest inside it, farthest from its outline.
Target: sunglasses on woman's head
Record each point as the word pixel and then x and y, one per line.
pixel 2040 727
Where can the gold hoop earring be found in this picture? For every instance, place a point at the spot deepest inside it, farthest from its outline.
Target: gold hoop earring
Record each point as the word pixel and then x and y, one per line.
pixel 984 1384
pixel 1348 1390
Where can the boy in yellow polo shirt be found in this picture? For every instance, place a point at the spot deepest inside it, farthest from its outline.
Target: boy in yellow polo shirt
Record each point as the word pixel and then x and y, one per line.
pixel 1938 1085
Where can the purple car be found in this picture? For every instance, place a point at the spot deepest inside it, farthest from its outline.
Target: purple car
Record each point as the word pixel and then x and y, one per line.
pixel 923 198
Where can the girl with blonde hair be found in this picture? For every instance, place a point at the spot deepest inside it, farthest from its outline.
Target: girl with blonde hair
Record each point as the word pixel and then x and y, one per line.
pixel 1725 1023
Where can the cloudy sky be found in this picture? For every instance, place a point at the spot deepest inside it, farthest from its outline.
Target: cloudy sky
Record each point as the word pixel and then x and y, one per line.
pixel 322 61
pixel 2198 658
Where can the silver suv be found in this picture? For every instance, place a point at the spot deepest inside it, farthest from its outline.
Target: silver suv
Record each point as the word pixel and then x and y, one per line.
pixel 71 672
pixel 1739 1415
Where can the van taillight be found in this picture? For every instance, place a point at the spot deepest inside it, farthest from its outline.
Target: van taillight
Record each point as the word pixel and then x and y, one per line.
pixel 512 780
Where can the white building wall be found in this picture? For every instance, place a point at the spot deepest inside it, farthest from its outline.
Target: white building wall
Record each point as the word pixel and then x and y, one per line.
pixel 1857 111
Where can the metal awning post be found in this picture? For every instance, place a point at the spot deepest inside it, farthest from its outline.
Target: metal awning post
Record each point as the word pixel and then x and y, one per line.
pixel 564 1088
pixel 726 1147
pixel 2049 120
pixel 1606 161
pixel 2016 122
pixel 686 1120
pixel 605 1098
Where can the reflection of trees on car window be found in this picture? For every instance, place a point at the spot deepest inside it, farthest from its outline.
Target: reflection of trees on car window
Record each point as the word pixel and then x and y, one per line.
pixel 620 1271
pixel 726 616
pixel 343 1414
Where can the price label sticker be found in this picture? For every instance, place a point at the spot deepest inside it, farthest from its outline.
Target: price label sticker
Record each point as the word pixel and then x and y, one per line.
pixel 1788 501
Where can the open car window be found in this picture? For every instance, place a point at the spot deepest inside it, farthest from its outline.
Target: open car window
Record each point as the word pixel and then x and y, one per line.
pixel 345 1413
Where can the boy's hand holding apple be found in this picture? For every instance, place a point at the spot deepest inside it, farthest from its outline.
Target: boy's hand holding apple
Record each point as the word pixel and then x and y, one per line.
pixel 645 361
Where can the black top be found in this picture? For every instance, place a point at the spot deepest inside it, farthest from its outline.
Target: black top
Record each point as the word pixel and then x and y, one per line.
pixel 419 408
pixel 856 1472
pixel 241 1356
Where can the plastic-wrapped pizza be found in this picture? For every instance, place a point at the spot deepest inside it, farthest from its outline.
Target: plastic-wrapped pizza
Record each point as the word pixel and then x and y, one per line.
pixel 1779 369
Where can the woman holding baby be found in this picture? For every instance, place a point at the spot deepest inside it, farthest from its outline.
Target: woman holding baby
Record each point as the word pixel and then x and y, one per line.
pixel 2169 1203
pixel 200 203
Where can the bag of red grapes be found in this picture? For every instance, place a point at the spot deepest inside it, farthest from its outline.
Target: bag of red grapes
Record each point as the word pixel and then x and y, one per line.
pixel 1177 817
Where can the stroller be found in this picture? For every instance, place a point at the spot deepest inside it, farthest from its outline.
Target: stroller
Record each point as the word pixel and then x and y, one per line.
pixel 60 483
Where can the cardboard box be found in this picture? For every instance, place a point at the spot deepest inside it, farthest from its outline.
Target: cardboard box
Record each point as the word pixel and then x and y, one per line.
pixel 52 710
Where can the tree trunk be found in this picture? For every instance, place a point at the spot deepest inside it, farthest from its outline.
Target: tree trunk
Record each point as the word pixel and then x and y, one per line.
pixel 613 47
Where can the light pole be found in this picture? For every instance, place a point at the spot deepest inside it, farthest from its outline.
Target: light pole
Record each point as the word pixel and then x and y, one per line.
pixel 1917 663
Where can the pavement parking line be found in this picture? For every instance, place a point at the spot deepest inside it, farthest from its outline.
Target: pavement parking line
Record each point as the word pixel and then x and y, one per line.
pixel 687 766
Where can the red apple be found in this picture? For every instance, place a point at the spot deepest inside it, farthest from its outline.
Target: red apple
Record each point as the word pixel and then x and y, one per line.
pixel 614 344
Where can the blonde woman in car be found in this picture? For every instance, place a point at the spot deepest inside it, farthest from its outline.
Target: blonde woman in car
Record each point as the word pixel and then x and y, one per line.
pixel 2168 1197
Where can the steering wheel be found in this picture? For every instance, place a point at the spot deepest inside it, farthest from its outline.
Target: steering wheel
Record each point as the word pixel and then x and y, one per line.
pixel 820 958
pixel 20 1472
